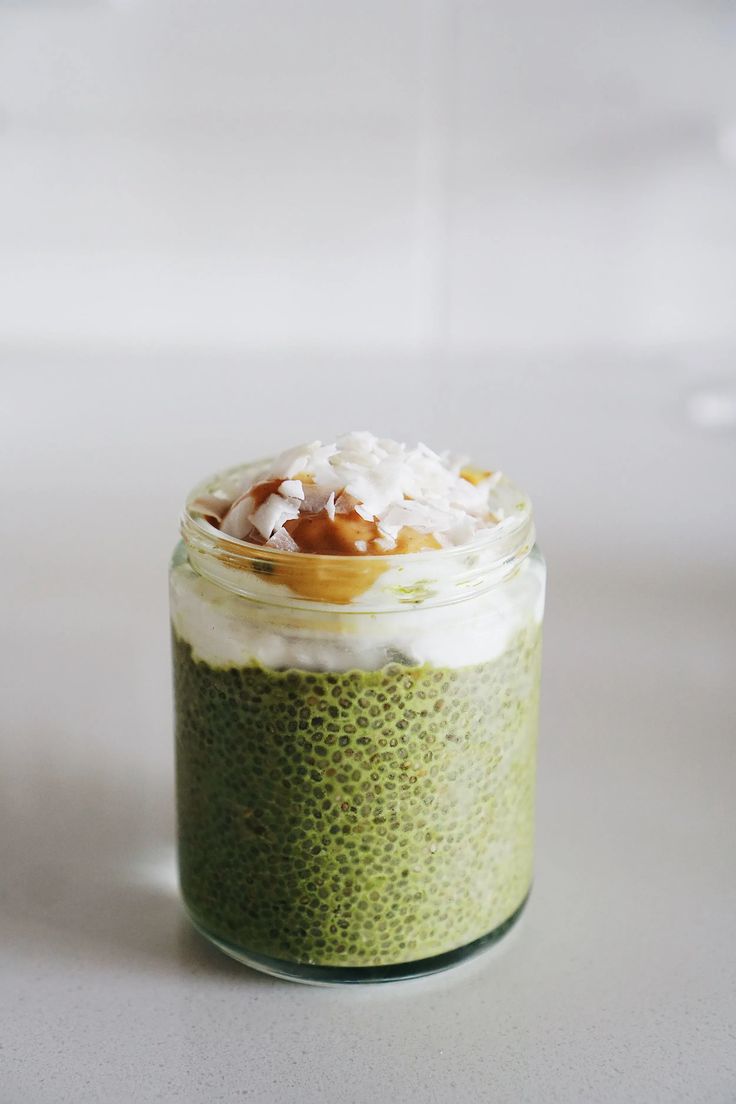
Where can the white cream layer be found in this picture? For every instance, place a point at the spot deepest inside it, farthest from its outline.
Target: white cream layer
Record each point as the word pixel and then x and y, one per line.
pixel 225 629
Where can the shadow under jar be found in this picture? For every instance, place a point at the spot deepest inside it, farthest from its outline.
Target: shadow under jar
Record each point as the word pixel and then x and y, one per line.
pixel 355 747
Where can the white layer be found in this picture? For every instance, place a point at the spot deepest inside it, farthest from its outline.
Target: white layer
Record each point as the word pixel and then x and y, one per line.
pixel 225 629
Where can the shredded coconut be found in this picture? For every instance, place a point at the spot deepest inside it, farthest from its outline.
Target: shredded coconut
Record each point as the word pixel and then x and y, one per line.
pixel 378 480
pixel 292 488
pixel 282 540
pixel 237 522
pixel 272 514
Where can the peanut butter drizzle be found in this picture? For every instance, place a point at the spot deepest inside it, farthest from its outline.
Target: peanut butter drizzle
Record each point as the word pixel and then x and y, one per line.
pixel 259 492
pixel 303 575
pixel 323 536
pixel 318 534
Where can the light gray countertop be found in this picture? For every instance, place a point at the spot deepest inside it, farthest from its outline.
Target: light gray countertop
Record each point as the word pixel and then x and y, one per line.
pixel 618 985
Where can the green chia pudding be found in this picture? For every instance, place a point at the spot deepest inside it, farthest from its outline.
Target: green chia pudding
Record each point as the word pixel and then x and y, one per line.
pixel 356 793
pixel 360 818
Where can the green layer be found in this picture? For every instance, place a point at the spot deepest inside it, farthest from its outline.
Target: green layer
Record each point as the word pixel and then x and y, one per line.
pixel 356 819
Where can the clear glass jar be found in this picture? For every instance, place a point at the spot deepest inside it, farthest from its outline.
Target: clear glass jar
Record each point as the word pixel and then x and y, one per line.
pixel 356 746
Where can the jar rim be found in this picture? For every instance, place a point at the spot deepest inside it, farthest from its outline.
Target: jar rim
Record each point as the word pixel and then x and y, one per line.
pixel 491 556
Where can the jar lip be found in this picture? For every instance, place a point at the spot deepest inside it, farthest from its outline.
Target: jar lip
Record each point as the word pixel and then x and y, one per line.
pixel 191 524
pixel 492 554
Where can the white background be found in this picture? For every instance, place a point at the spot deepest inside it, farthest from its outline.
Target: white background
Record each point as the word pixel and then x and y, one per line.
pixel 503 229
pixel 380 174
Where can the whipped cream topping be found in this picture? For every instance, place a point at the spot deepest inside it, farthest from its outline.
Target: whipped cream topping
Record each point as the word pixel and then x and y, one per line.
pixel 377 491
pixel 225 630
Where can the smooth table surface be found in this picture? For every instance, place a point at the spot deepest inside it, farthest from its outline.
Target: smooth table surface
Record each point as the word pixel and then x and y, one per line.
pixel 617 985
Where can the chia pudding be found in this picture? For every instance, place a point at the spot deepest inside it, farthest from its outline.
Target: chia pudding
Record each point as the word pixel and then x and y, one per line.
pixel 356 640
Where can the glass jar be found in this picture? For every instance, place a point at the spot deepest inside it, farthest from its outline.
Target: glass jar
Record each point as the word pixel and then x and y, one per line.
pixel 355 745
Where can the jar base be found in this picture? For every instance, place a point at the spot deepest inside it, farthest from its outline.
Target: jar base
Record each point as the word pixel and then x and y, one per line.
pixel 310 974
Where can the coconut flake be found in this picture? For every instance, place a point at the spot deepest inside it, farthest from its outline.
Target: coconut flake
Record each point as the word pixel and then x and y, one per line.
pixel 314 499
pixel 345 504
pixel 363 511
pixel 381 481
pixel 292 488
pixel 396 517
pixel 211 507
pixel 283 541
pixel 290 462
pixel 237 522
pixel 272 514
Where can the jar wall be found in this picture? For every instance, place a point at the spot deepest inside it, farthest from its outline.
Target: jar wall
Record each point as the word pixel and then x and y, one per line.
pixel 355 790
